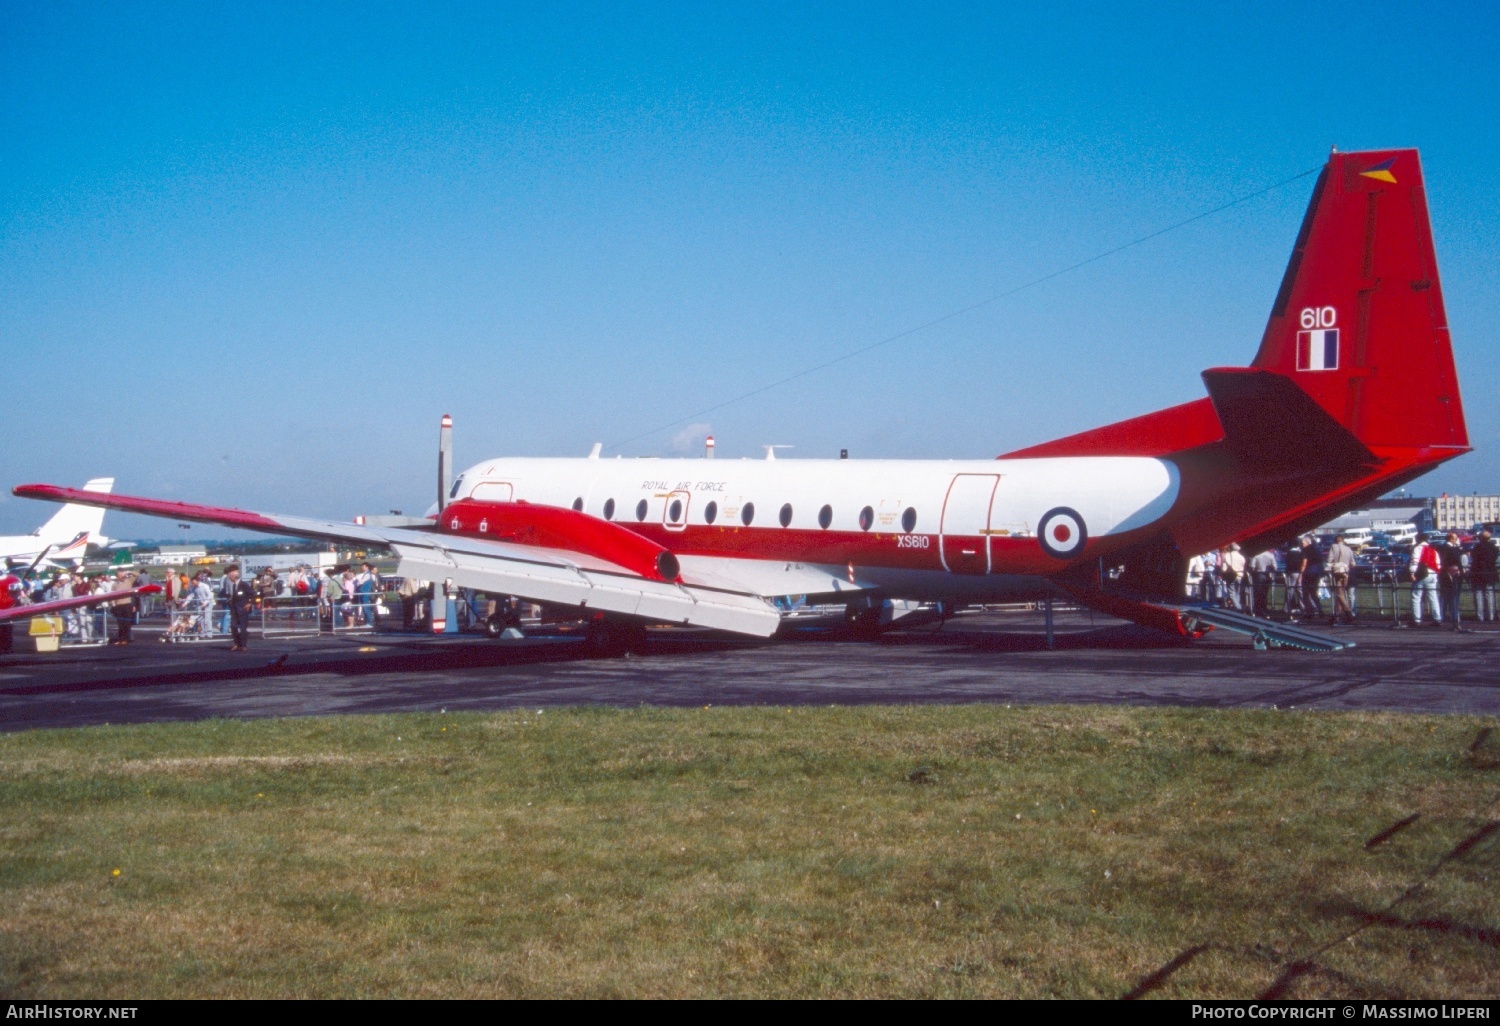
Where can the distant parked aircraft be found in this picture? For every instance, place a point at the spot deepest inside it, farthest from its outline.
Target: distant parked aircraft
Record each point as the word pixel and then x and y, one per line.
pixel 64 538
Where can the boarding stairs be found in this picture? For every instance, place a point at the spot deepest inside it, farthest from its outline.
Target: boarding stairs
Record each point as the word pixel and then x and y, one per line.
pixel 1265 633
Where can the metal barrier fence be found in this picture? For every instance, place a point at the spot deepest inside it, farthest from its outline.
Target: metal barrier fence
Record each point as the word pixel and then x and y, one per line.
pixel 188 621
pixel 284 616
pixel 294 616
pixel 75 628
pixel 1377 595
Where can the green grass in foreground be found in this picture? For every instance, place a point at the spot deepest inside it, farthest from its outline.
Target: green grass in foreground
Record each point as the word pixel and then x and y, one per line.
pixel 756 851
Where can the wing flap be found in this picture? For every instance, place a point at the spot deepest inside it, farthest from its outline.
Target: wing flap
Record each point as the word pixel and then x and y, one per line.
pixel 592 589
pixel 767 577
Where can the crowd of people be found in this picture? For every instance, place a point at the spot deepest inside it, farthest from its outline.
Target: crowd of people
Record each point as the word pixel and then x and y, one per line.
pixel 1438 570
pixel 201 606
pixel 84 623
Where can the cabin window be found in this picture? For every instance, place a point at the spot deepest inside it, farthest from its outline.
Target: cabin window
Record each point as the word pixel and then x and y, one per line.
pixel 786 515
pixel 909 520
pixel 674 512
pixel 710 512
pixel 866 518
pixel 640 510
pixel 747 513
pixel 578 504
pixel 609 509
pixel 825 517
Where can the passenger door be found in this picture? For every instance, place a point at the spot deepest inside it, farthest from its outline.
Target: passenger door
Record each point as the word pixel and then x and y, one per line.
pixel 964 539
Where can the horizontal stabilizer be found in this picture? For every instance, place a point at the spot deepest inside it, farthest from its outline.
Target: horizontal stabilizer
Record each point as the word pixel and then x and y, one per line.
pixel 1272 425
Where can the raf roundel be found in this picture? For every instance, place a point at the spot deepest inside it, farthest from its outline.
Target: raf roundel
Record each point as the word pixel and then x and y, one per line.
pixel 1062 532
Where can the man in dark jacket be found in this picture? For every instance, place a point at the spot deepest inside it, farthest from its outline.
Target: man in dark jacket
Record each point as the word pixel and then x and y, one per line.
pixel 1292 605
pixel 1451 578
pixel 1482 576
pixel 1312 577
pixel 241 596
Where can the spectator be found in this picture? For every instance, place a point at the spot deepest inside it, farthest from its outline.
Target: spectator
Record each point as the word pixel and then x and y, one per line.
pixel 1262 570
pixel 1292 602
pixel 143 602
pixel 1424 566
pixel 224 587
pixel 128 609
pixel 14 594
pixel 346 603
pixel 1211 588
pixel 1194 576
pixel 1482 576
pixel 328 591
pixel 240 596
pixel 1312 578
pixel 1232 572
pixel 266 586
pixel 203 600
pixel 1340 566
pixel 411 588
pixel 297 586
pixel 1451 578
pixel 365 586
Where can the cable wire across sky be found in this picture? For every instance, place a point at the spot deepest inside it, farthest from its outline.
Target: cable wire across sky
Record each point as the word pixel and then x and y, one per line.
pixel 961 311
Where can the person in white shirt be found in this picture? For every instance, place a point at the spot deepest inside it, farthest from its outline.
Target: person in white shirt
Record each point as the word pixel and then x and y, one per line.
pixel 203 599
pixel 1424 567
pixel 1232 569
pixel 1340 564
pixel 1194 576
pixel 1262 569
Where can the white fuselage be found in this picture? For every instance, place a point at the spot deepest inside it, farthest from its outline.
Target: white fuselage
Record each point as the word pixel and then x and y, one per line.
pixel 924 529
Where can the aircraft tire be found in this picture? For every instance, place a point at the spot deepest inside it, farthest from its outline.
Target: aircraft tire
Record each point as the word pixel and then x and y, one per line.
pixel 608 640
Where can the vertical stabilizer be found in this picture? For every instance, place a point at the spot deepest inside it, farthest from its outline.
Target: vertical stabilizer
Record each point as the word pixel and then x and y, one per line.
pixel 1359 323
pixel 72 520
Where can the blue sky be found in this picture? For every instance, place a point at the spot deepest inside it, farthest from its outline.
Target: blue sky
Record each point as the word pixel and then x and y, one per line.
pixel 250 254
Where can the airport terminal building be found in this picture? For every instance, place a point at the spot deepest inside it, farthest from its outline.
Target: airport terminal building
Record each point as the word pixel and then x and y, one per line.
pixel 1464 512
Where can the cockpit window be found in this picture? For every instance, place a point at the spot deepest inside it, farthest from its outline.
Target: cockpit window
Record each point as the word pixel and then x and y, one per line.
pixel 453 492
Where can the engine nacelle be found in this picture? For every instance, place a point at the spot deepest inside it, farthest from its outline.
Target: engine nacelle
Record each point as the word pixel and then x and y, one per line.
pixel 525 523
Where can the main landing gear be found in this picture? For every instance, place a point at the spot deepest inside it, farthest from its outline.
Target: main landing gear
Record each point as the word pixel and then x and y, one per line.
pixel 869 616
pixel 608 639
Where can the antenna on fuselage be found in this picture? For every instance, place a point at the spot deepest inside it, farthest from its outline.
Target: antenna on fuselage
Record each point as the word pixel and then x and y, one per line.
pixel 771 450
pixel 445 459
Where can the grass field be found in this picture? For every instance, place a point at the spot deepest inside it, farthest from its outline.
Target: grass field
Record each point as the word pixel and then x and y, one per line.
pixel 865 851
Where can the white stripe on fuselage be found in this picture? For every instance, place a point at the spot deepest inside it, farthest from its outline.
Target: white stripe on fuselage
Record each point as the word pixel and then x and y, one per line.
pixel 1112 494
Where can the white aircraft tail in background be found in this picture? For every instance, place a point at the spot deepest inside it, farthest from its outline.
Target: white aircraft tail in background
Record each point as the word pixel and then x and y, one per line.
pixel 66 536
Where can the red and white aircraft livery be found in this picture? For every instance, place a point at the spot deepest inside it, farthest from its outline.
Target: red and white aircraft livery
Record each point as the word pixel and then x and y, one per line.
pixel 1352 393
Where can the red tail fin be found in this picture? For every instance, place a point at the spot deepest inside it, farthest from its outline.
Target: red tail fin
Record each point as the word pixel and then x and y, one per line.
pixel 1359 323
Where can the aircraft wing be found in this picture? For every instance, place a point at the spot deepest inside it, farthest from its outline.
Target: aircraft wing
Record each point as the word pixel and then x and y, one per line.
pixel 548 575
pixel 76 602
